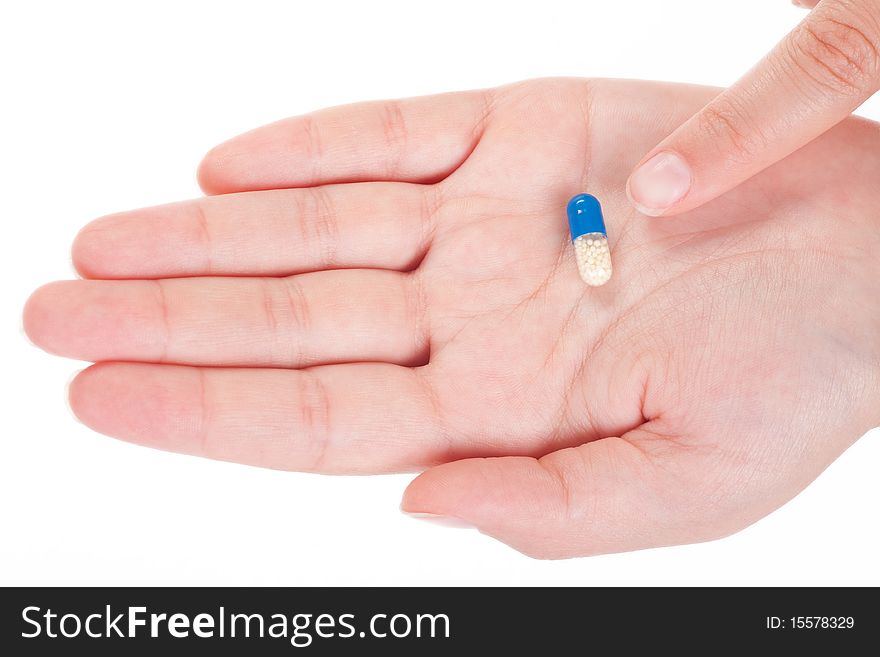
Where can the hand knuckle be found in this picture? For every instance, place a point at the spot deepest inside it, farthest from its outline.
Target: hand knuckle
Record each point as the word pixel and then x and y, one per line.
pixel 314 423
pixel 394 127
pixel 729 127
pixel 838 54
pixel 316 223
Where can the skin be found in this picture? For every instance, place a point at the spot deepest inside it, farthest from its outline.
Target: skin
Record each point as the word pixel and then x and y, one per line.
pixel 814 78
pixel 404 297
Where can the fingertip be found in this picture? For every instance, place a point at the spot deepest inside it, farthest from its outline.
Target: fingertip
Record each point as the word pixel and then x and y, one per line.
pixel 98 396
pixel 211 171
pixel 417 498
pixel 39 317
pixel 119 245
pixel 67 388
pixel 442 495
pixel 33 316
pixel 135 402
pixel 506 498
pixel 246 162
pixel 474 490
pixel 433 492
pixel 145 243
pixel 78 393
pixel 91 248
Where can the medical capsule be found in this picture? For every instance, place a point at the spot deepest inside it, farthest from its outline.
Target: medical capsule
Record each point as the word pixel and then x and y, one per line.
pixel 590 239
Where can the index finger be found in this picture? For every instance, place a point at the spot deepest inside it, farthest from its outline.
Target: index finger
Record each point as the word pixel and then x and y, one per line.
pixel 825 68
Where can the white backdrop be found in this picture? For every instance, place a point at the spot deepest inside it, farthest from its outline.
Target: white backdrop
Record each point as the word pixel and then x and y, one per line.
pixel 109 106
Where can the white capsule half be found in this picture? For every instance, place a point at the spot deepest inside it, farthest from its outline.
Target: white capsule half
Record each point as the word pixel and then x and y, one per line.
pixel 593 258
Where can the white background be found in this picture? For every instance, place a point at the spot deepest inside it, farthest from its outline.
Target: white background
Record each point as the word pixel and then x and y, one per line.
pixel 108 106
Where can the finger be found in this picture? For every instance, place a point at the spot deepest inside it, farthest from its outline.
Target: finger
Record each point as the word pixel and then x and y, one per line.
pixel 353 418
pixel 815 77
pixel 272 233
pixel 323 317
pixel 604 496
pixel 415 140
pixel 806 4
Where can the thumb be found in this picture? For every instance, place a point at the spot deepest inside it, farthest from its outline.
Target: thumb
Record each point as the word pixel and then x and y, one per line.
pixel 604 496
pixel 825 68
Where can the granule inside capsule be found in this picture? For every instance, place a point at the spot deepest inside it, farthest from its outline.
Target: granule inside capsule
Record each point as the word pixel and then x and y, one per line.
pixel 593 258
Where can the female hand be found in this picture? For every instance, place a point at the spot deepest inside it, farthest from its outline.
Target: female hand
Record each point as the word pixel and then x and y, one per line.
pixel 817 75
pixel 403 296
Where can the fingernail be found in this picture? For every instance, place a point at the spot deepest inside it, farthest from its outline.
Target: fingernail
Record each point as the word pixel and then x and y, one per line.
pixel 442 521
pixel 659 183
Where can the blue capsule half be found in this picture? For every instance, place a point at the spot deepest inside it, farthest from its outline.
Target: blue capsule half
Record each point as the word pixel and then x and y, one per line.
pixel 585 216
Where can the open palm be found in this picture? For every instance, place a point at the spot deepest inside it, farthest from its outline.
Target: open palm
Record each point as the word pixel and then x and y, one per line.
pixel 402 295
